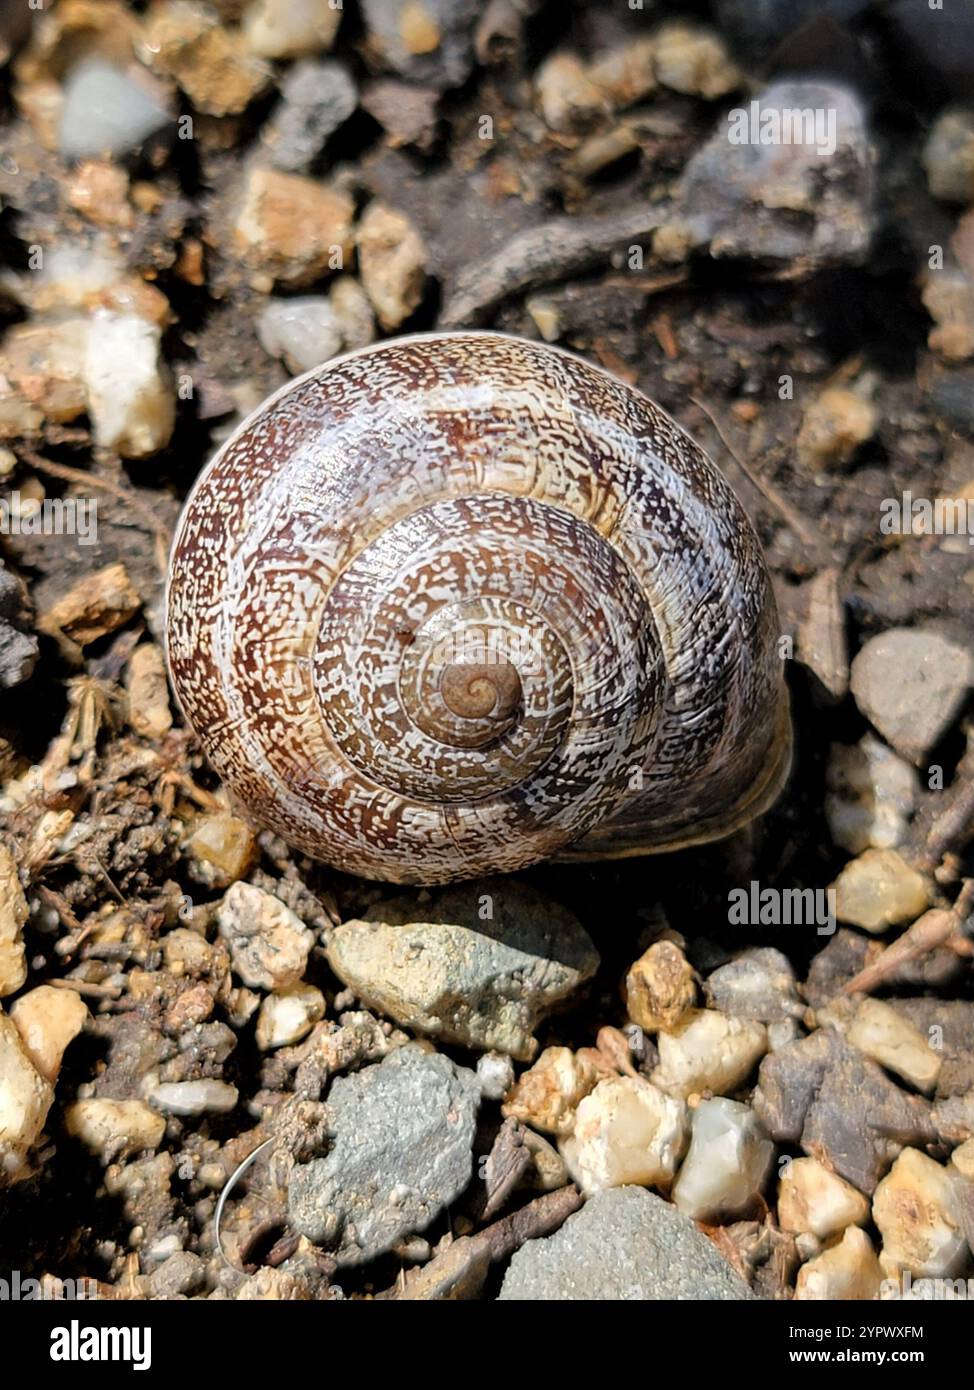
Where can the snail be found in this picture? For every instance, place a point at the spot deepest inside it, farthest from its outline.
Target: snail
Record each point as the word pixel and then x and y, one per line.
pixel 455 603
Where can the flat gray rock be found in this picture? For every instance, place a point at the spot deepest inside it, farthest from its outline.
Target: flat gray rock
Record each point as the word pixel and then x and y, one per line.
pixel 456 974
pixel 910 685
pixel 625 1243
pixel 401 1136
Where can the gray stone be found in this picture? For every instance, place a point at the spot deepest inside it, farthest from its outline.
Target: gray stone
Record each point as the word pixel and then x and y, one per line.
pixel 18 649
pixel 106 112
pixel 316 98
pixel 183 1273
pixel 759 984
pixel 401 1150
pixel 782 202
pixel 481 983
pixel 432 42
pixel 910 685
pixel 625 1243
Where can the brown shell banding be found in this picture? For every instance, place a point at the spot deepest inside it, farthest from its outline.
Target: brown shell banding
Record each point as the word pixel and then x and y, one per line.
pixel 471 499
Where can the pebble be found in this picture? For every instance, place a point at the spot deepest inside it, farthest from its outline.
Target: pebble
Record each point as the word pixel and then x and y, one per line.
pixel 759 984
pixel 963 1159
pixel 953 1118
pixel 401 1134
pixel 288 1016
pixel 130 395
pixel 871 794
pixel 303 331
pixel 270 1285
pixel 48 1019
pixel 483 984
pixel 848 1271
pixel 427 41
pixel 392 264
pixel 878 889
pixel 291 28
pixel 948 297
pixel 783 1032
pixel 148 692
pixel 695 62
pixel 207 1097
pixel 74 276
pixel 407 114
pixel 727 1164
pixel 546 316
pixel 316 98
pixel 768 203
pixel 13 915
pixel 660 988
pixel 813 1199
pixel 222 847
pixel 549 1170
pixel 98 604
pixel 917 1212
pixel 568 99
pixel 948 156
pixel 292 230
pixel 180 1275
pixel 624 1244
pixel 892 1041
pixel 910 684
pixel 210 63
pixel 107 113
pixel 353 311
pixel 495 1071
pixel 25 1099
pixel 708 1052
pixel 41 360
pixel 269 945
pixel 187 952
pixel 834 427
pixel 626 1131
pixel 548 1094
pixel 822 644
pixel 825 1096
pixel 626 75
pixel 114 1129
pixel 44 363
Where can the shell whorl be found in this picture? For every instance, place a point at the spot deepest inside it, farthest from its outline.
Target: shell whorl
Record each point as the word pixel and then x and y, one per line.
pixel 439 606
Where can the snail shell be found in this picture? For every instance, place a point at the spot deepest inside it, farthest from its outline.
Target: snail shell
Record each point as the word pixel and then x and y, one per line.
pixel 455 603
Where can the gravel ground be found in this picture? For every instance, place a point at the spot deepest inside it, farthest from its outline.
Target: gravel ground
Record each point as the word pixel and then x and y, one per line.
pixel 752 1063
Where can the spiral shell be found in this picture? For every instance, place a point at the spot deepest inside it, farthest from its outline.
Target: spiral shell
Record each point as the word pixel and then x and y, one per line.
pixel 456 603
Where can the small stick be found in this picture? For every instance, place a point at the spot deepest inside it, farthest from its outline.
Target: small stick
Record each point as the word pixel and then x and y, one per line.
pixel 771 494
pixel 561 247
pixel 228 1187
pixel 82 479
pixel 938 927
